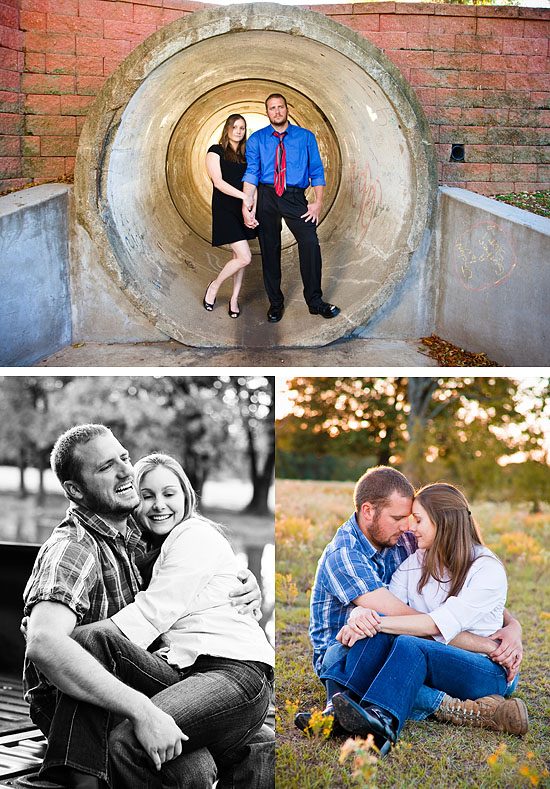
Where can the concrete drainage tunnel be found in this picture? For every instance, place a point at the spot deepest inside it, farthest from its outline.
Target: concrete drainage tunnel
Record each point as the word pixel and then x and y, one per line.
pixel 142 193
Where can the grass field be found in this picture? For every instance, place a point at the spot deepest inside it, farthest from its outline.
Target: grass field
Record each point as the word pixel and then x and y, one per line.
pixel 430 754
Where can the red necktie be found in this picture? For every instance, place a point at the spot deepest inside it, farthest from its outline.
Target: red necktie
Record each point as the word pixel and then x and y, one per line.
pixel 280 165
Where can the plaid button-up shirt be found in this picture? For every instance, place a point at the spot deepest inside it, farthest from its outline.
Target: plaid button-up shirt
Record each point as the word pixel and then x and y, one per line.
pixel 88 566
pixel 348 568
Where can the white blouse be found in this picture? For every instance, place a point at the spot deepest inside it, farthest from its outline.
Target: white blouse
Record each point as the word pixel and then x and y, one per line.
pixel 478 607
pixel 188 600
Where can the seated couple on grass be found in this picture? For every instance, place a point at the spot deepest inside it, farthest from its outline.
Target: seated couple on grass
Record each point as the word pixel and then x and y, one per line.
pixel 408 618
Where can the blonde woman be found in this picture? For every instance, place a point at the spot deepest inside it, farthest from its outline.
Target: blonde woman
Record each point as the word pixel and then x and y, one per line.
pixel 221 659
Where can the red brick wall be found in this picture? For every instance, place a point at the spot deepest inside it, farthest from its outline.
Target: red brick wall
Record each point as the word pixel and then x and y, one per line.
pixel 11 116
pixel 482 74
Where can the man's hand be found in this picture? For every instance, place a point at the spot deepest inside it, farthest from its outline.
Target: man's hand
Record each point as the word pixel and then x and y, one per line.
pixel 159 735
pixel 362 623
pixel 313 211
pixel 249 219
pixel 348 636
pixel 510 649
pixel 248 595
pixel 249 209
pixel 24 626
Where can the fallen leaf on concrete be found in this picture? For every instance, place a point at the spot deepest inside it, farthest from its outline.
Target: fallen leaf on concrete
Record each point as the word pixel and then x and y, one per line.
pixel 78 344
pixel 449 355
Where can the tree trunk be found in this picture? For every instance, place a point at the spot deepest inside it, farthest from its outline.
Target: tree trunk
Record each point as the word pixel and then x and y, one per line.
pixel 41 494
pixel 22 468
pixel 259 502
pixel 261 480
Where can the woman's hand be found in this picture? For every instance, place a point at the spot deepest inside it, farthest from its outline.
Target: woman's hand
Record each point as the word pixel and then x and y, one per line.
pixel 509 652
pixel 364 621
pixel 249 214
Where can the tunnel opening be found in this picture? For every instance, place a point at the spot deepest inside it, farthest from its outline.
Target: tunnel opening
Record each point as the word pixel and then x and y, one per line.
pixel 143 194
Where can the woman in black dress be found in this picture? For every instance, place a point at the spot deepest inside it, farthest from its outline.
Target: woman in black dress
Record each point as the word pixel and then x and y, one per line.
pixel 226 165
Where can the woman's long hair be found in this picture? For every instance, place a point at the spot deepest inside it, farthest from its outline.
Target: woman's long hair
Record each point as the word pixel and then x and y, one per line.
pixel 155 541
pixel 229 154
pixel 456 535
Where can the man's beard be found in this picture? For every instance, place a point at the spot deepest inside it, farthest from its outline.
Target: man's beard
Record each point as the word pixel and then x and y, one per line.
pixel 375 535
pixel 102 505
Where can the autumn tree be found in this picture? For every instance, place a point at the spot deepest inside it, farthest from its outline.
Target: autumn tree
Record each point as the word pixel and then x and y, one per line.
pixel 457 426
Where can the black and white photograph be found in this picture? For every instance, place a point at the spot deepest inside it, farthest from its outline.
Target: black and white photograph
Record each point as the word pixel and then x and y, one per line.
pixel 137 573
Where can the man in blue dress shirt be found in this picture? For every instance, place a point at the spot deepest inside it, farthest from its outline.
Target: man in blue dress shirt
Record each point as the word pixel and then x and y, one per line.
pixel 283 160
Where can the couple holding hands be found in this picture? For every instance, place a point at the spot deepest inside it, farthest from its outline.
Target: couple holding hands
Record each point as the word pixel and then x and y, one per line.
pixel 256 185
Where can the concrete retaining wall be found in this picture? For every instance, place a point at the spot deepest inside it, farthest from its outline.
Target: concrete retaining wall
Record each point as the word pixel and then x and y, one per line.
pixel 35 319
pixel 493 279
pixel 480 282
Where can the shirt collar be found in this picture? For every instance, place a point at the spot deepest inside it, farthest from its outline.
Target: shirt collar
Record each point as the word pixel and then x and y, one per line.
pixel 368 548
pixel 286 131
pixel 90 520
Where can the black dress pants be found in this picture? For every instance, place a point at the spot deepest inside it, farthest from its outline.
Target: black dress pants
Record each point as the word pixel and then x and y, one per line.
pixel 290 206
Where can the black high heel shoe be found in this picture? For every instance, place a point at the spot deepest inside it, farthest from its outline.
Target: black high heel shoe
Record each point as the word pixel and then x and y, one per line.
pixel 208 307
pixel 232 313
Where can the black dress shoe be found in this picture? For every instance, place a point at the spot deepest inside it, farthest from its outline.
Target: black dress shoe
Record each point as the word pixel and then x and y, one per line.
pixel 302 721
pixel 366 720
pixel 274 314
pixel 325 310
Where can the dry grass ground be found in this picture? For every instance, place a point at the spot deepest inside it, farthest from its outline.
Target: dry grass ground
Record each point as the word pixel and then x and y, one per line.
pixel 429 754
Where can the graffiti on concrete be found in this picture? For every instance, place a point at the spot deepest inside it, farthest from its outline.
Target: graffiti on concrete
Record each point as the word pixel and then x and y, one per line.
pixel 366 197
pixel 484 256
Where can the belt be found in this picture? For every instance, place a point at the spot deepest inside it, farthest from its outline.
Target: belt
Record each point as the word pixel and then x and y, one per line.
pixel 287 188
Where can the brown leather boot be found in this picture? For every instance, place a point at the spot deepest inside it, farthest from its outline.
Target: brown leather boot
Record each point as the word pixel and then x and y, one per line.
pixel 490 712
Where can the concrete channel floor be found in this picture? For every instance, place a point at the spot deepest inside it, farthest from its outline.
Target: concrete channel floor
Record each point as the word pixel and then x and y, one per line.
pixel 343 353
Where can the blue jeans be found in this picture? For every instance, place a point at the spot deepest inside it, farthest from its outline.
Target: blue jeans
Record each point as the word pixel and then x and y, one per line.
pixel 414 661
pixel 219 703
pixel 356 667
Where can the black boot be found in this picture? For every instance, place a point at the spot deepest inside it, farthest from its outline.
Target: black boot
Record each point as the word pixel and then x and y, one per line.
pixel 303 719
pixel 366 720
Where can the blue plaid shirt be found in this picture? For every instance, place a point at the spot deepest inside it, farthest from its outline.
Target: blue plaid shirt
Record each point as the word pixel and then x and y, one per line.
pixel 348 568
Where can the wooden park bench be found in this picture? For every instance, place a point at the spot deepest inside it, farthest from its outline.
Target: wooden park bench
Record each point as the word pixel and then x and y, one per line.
pixel 22 745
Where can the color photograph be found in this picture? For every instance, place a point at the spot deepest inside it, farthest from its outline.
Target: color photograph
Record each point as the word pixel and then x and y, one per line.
pixel 412 581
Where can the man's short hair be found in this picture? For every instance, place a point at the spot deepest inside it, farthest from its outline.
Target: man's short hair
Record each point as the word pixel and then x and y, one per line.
pixel 275 96
pixel 63 459
pixel 377 485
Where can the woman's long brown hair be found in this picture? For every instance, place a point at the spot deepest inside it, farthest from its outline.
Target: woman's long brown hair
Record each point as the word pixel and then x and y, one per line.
pixel 229 154
pixel 456 535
